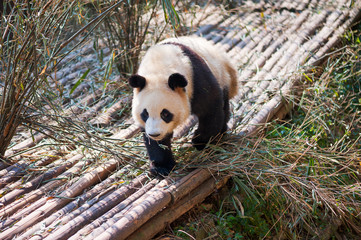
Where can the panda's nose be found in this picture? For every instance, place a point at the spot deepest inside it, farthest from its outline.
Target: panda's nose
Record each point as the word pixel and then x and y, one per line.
pixel 154 134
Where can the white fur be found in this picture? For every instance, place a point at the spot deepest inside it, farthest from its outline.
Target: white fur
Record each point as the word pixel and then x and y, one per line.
pixel 157 65
pixel 215 58
pixel 155 100
pixel 160 62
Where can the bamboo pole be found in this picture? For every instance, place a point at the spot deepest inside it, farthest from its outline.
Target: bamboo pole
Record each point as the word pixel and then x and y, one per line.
pixel 102 219
pixel 125 226
pixel 11 168
pixel 275 103
pixel 35 195
pixel 59 216
pixel 155 201
pixel 272 69
pixel 168 215
pixel 317 58
pixel 30 142
pixel 72 225
pixel 260 61
pixel 105 118
pixel 123 208
pixel 31 185
pixel 334 19
pixel 33 140
pixel 243 23
pixel 56 203
pixel 23 212
pixel 212 21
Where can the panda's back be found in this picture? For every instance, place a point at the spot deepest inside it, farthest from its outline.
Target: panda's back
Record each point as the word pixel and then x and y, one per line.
pixel 218 62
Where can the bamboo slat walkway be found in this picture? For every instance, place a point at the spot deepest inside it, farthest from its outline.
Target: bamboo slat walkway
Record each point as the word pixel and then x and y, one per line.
pixel 75 198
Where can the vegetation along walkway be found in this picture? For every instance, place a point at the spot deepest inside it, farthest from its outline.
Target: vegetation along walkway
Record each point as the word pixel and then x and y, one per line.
pixel 81 171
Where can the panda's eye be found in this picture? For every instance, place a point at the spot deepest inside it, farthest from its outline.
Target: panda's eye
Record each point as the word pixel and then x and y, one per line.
pixel 144 115
pixel 166 116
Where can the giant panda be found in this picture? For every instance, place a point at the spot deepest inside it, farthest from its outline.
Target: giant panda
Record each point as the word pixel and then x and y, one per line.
pixel 178 77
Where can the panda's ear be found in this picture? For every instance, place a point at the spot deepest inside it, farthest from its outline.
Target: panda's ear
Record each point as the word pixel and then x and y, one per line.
pixel 137 81
pixel 177 80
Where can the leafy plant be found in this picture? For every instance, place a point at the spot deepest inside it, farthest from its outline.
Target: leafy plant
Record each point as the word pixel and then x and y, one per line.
pixel 29 44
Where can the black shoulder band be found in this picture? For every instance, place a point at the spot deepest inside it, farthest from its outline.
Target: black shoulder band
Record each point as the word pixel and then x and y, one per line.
pixel 205 84
pixel 193 56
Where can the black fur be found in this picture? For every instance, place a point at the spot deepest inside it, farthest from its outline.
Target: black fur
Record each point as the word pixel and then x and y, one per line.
pixel 177 80
pixel 144 115
pixel 137 81
pixel 209 102
pixel 160 155
pixel 166 116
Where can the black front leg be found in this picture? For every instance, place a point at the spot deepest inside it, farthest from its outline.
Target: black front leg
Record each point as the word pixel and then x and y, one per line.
pixel 160 155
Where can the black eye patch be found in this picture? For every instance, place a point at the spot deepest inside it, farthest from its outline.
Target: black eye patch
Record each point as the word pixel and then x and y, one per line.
pixel 166 116
pixel 144 115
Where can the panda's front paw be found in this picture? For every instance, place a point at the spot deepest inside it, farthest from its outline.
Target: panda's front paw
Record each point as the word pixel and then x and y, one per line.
pixel 199 143
pixel 160 171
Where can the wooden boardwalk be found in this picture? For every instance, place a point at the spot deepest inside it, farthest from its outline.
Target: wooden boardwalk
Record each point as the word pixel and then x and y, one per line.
pixel 62 193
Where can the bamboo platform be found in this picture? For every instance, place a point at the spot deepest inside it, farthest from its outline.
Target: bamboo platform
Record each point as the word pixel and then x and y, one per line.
pixel 272 44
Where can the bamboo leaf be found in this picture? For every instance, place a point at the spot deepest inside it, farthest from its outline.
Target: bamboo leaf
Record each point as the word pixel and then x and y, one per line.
pixel 79 81
pixel 170 13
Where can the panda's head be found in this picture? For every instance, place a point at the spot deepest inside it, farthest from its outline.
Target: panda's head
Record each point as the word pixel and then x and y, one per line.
pixel 159 106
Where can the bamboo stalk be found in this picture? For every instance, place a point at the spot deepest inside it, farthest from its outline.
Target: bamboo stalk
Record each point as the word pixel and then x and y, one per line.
pixel 127 132
pixel 317 58
pixel 142 212
pixel 218 34
pixel 91 112
pixel 71 223
pixel 250 48
pixel 30 142
pixel 289 64
pixel 310 47
pixel 35 195
pixel 105 118
pixel 17 170
pixel 189 181
pixel 85 50
pixel 97 209
pixel 212 21
pixel 274 105
pixel 66 74
pixel 243 23
pixel 86 101
pixel 53 204
pixel 282 57
pixel 3 165
pixel 59 216
pixel 10 168
pixel 152 203
pixel 109 214
pixel 19 215
pixel 15 173
pixel 47 161
pixel 266 55
pixel 36 182
pixel 168 215
pixel 181 130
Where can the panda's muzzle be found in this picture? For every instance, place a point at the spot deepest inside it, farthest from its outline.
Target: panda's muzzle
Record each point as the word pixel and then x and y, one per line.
pixel 154 135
